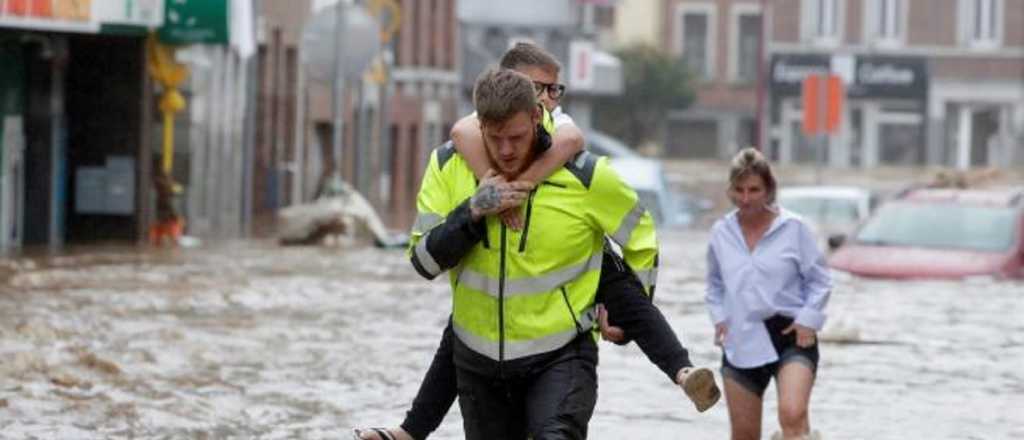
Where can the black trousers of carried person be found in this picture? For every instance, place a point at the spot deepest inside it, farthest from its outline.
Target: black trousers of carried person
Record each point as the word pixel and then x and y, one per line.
pixel 628 308
pixel 551 402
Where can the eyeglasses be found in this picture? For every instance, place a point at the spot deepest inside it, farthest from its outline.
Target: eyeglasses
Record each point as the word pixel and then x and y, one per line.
pixel 555 90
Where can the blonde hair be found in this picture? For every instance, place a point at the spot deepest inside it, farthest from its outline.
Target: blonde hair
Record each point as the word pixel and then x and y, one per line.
pixel 751 162
pixel 500 94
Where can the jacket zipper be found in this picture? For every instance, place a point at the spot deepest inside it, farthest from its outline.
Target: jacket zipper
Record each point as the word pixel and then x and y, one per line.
pixel 565 296
pixel 487 233
pixel 526 228
pixel 529 214
pixel 501 307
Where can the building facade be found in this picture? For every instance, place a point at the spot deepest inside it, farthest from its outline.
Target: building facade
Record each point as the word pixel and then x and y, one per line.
pixel 937 82
pixel 76 123
pixel 718 40
pixel 421 101
pixel 81 124
pixel 394 110
pixel 577 33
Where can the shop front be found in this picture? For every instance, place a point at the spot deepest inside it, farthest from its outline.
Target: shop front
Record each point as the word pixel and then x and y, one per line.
pixel 883 117
pixel 72 96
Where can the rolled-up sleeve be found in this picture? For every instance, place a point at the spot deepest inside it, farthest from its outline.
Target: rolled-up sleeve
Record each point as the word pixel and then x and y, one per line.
pixel 816 281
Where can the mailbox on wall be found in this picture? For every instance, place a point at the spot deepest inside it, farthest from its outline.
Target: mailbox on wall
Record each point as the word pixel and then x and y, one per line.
pixel 106 190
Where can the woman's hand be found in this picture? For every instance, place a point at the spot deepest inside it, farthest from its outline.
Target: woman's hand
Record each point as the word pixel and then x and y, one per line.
pixel 512 219
pixel 609 332
pixel 720 331
pixel 805 336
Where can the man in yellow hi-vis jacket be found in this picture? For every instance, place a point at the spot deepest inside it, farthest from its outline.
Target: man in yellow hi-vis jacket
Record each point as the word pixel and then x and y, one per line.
pixel 523 308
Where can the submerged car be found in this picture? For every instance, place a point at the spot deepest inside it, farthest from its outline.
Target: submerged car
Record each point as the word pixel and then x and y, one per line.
pixel 830 210
pixel 939 233
pixel 647 177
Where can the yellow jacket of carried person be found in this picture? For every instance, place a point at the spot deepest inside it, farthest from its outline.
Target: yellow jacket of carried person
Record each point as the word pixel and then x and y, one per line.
pixel 523 293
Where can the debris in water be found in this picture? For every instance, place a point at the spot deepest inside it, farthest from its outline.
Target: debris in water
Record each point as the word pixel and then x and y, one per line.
pixel 90 360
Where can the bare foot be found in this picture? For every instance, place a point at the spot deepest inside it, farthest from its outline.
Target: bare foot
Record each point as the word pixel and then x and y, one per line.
pixel 699 385
pixel 381 434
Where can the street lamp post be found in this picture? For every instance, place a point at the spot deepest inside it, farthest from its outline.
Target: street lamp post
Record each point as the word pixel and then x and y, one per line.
pixel 337 98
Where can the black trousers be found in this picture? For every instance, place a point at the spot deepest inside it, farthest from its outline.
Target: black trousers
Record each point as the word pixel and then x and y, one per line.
pixel 628 307
pixel 553 402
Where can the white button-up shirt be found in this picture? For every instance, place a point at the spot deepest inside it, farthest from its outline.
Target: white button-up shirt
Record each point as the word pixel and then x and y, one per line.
pixel 785 274
pixel 560 118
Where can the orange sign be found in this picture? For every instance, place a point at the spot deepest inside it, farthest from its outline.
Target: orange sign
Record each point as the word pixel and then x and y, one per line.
pixel 75 10
pixel 29 8
pixel 823 104
pixel 69 10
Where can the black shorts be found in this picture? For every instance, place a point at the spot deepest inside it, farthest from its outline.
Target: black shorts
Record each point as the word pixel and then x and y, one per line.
pixel 756 379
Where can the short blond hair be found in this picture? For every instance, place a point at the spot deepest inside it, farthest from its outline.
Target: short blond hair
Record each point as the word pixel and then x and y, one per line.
pixel 500 94
pixel 748 162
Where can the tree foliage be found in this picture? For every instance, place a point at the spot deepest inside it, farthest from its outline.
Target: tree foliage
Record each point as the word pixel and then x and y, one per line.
pixel 655 82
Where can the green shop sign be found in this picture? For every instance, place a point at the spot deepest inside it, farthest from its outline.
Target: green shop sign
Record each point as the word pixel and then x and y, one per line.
pixel 195 21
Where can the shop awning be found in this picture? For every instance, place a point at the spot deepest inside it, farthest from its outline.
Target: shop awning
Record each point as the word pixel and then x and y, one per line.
pixel 178 22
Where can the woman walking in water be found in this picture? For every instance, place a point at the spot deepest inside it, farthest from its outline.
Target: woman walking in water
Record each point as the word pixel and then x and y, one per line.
pixel 767 287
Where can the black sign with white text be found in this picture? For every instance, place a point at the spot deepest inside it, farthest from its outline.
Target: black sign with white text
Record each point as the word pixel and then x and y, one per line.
pixel 872 76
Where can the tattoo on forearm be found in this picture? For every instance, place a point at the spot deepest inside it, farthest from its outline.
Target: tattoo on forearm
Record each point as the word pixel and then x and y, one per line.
pixel 486 198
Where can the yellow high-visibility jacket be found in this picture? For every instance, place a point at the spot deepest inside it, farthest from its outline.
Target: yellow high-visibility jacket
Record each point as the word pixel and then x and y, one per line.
pixel 524 293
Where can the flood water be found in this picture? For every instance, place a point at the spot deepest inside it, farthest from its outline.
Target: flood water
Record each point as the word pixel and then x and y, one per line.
pixel 256 341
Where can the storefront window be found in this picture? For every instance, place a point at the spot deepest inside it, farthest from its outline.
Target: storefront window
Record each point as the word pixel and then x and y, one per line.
pixel 805 148
pixel 900 144
pixel 856 141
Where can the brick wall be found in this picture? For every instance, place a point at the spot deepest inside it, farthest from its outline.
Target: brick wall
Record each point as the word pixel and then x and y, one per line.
pixel 932 23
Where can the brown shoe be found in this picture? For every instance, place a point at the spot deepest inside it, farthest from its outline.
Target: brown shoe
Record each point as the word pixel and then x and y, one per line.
pixel 699 385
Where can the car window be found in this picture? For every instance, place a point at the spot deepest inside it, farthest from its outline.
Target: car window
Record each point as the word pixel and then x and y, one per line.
pixel 941 226
pixel 649 200
pixel 823 210
pixel 840 211
pixel 805 206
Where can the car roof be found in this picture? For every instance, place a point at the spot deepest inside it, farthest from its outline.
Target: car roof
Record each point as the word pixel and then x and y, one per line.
pixel 606 145
pixel 638 172
pixel 1001 197
pixel 840 192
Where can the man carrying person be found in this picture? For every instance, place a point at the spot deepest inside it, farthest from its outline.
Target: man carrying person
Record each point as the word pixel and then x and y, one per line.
pixel 625 293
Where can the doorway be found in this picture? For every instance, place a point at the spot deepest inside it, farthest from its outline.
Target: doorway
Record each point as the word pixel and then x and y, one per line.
pixel 104 98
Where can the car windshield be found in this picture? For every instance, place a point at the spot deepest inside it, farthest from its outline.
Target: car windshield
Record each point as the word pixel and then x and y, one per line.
pixel 978 228
pixel 825 211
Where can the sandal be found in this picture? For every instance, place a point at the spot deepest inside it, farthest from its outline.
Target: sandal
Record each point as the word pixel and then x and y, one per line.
pixel 699 385
pixel 382 434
